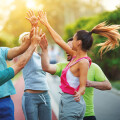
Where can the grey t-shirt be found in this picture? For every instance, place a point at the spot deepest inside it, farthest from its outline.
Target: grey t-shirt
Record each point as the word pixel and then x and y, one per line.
pixel 34 76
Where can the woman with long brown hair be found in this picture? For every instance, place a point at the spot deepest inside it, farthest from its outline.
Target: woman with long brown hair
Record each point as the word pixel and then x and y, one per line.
pixel 74 76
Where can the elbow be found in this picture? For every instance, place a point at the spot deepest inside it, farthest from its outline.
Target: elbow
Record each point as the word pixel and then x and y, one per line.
pixel 110 87
pixel 45 69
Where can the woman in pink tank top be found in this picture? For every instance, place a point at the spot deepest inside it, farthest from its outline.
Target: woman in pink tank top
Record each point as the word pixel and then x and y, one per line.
pixel 79 65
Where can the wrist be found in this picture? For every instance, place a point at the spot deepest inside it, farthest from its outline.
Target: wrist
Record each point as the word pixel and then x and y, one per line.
pixel 47 24
pixel 44 50
pixel 91 84
pixel 81 90
pixel 34 26
pixel 33 45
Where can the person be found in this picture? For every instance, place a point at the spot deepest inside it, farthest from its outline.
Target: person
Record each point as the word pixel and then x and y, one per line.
pixel 7 88
pixel 96 78
pixel 35 100
pixel 74 76
pixel 53 55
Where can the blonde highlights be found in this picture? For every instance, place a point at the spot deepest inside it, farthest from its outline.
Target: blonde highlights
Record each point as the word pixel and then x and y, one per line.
pixel 109 31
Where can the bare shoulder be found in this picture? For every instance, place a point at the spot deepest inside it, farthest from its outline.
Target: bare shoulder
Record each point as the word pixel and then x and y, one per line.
pixel 84 63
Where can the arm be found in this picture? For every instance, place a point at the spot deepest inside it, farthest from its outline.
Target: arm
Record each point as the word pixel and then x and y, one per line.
pixel 83 68
pixel 105 85
pixel 100 80
pixel 56 37
pixel 27 55
pixel 6 75
pixel 46 66
pixel 13 52
pixel 24 59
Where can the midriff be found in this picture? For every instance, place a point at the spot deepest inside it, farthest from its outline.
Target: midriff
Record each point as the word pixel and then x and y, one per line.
pixel 34 91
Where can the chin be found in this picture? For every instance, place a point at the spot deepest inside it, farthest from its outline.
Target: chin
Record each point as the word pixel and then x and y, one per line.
pixel 69 58
pixel 73 48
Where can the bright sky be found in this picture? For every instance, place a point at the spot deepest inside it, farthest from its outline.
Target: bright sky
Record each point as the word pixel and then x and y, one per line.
pixel 110 4
pixel 6 6
pixel 31 4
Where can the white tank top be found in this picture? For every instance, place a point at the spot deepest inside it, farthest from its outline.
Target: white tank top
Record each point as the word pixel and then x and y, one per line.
pixel 71 79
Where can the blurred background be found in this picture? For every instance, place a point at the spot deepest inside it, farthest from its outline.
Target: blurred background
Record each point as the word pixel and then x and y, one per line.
pixel 66 17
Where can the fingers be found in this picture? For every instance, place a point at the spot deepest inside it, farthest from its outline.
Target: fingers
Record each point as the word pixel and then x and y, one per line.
pixel 30 13
pixel 36 31
pixel 77 99
pixel 40 33
pixel 77 96
pixel 41 13
pixel 31 32
pixel 27 18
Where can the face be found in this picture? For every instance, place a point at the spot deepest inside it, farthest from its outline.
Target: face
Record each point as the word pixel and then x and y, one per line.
pixel 76 43
pixel 68 56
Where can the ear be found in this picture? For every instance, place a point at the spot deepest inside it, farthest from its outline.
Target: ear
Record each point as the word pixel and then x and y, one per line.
pixel 79 42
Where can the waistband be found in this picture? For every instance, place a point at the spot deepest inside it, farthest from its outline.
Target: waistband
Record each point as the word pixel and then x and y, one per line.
pixel 5 97
pixel 35 91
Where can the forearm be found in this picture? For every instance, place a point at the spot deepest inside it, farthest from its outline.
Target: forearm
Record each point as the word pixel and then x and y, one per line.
pixel 105 85
pixel 6 75
pixel 82 90
pixel 57 38
pixel 16 51
pixel 24 59
pixel 46 66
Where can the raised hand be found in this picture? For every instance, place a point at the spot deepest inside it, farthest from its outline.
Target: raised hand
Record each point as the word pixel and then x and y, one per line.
pixel 36 36
pixel 43 43
pixel 42 17
pixel 32 18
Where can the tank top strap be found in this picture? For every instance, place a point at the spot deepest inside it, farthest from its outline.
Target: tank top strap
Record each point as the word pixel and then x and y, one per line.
pixel 89 59
pixel 70 60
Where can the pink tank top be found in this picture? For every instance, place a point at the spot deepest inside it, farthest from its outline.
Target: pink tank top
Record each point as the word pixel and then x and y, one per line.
pixel 65 87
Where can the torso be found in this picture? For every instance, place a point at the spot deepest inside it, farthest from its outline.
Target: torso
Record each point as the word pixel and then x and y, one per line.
pixel 75 70
pixel 34 76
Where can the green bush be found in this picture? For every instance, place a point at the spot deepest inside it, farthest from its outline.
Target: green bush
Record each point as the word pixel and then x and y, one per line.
pixel 110 61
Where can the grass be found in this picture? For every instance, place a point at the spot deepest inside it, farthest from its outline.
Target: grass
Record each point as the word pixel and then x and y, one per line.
pixel 116 84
